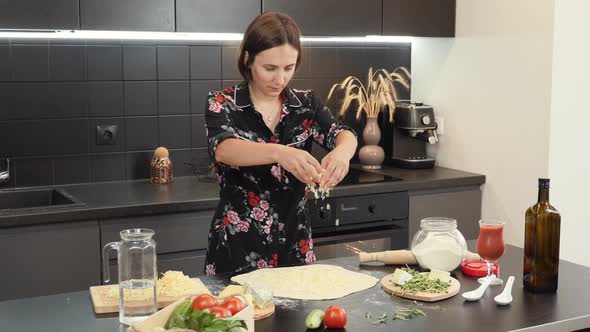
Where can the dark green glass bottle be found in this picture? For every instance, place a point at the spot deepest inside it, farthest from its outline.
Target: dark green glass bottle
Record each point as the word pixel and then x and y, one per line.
pixel 541 244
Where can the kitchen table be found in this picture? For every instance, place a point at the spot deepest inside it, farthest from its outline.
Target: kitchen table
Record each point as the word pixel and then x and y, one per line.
pixel 567 310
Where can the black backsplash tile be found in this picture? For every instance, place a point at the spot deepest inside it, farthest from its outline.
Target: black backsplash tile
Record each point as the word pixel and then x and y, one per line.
pixel 139 62
pixel 30 62
pixel 33 172
pixel 206 62
pixel 325 62
pixel 5 73
pixel 141 98
pixel 199 135
pixel 141 133
pixel 107 167
pixel 138 165
pixel 173 97
pixel 53 95
pixel 43 137
pixel 229 69
pixel 67 63
pixel 105 63
pixel 173 63
pixel 105 99
pixel 119 145
pixel 175 132
pixel 201 161
pixel 181 162
pixel 68 100
pixel 199 91
pixel 71 169
pixel 23 100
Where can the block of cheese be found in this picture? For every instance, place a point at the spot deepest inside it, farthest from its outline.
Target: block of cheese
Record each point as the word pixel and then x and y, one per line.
pixel 233 290
pixel 441 275
pixel 400 277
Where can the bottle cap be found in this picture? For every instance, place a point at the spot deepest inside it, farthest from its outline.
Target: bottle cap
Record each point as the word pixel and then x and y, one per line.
pixel 543 183
pixel 478 269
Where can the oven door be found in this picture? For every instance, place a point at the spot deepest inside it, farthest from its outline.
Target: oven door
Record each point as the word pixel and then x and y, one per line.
pixel 393 235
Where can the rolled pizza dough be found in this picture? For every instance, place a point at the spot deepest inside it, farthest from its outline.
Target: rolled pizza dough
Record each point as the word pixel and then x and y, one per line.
pixel 308 282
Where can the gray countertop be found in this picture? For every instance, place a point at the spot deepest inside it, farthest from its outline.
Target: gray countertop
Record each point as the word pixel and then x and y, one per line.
pixel 133 198
pixel 567 310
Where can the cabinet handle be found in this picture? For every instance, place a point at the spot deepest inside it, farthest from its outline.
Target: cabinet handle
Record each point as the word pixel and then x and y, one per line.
pixel 344 208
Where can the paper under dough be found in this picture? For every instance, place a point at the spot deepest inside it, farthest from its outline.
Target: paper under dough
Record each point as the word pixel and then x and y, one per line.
pixel 308 282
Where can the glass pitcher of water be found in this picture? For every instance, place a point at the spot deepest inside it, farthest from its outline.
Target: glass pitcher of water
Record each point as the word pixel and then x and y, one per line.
pixel 137 274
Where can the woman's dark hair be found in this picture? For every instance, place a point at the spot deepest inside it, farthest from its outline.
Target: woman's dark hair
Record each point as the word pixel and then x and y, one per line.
pixel 268 30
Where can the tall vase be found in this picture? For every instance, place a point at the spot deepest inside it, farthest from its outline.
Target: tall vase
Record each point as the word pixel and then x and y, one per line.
pixel 371 154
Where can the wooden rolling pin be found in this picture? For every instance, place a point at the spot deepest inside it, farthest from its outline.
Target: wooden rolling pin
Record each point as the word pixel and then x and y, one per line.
pixel 401 257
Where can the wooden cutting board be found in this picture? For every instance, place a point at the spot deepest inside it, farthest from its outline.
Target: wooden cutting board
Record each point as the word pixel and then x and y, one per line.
pixel 392 288
pixel 104 301
pixel 261 313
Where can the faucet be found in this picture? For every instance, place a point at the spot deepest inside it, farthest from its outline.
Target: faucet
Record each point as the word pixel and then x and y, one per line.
pixel 5 175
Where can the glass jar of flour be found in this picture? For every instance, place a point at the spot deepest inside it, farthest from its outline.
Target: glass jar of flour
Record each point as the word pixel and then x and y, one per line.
pixel 439 245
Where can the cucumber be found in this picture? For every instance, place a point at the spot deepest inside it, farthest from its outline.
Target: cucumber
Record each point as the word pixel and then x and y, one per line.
pixel 314 319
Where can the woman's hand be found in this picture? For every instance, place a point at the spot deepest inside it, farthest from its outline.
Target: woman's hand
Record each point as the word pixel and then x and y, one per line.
pixel 299 163
pixel 336 164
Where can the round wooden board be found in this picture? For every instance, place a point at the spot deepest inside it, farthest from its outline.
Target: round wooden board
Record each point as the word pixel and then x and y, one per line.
pixel 392 288
pixel 261 313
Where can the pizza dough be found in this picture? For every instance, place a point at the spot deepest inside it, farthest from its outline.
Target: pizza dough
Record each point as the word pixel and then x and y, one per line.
pixel 308 282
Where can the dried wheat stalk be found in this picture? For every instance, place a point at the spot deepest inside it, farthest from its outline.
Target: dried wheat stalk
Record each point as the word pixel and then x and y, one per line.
pixel 378 92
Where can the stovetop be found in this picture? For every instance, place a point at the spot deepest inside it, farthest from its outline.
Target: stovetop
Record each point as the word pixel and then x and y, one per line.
pixel 356 176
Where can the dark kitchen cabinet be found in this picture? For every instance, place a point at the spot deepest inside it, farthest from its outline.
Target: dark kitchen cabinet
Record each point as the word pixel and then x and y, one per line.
pixel 460 203
pixel 49 259
pixel 420 18
pixel 215 16
pixel 331 17
pixel 127 15
pixel 39 14
pixel 181 239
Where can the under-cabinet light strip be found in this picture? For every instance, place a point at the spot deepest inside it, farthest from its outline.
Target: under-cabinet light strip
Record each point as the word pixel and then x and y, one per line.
pixel 179 36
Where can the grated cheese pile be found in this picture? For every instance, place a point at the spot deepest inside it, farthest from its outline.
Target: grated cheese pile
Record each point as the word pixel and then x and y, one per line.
pixel 176 283
pixel 172 283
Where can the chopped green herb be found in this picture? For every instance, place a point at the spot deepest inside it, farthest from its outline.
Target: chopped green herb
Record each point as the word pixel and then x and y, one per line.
pixel 421 283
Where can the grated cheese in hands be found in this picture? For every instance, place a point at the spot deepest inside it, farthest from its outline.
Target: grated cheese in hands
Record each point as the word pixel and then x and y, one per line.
pixel 318 192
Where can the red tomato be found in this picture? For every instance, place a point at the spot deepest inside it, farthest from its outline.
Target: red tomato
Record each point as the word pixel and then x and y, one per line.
pixel 233 304
pixel 220 312
pixel 335 317
pixel 204 301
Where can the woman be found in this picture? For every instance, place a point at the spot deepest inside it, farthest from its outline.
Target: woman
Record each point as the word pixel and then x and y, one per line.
pixel 260 134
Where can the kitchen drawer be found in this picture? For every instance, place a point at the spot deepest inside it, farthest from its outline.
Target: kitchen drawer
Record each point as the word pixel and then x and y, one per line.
pixel 48 259
pixel 174 232
pixel 364 208
pixel 190 263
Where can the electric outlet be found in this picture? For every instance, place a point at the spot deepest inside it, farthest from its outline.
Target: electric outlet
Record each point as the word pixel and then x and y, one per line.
pixel 440 125
pixel 106 134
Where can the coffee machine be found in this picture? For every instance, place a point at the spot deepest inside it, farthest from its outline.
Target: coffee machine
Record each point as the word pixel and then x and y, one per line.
pixel 413 128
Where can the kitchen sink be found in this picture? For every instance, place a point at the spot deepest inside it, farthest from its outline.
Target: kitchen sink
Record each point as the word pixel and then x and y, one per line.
pixel 39 199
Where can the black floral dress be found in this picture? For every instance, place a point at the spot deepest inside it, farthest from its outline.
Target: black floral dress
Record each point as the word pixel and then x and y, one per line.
pixel 260 220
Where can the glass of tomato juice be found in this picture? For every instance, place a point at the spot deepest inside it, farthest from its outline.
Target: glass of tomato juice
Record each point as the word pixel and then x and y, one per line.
pixel 491 246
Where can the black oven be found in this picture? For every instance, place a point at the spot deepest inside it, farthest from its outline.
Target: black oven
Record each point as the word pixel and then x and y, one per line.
pixel 344 226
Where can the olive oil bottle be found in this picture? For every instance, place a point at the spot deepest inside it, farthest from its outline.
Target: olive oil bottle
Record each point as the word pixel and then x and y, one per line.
pixel 541 243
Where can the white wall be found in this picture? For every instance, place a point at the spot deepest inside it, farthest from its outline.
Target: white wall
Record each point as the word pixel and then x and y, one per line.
pixel 569 162
pixel 492 84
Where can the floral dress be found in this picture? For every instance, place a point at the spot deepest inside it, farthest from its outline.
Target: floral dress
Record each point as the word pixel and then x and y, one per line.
pixel 260 220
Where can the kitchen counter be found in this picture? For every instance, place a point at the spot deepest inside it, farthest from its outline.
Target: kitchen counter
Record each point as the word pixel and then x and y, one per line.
pixel 134 198
pixel 567 310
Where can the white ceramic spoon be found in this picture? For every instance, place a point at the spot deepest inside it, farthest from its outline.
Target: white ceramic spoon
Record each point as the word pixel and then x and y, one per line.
pixel 475 295
pixel 505 297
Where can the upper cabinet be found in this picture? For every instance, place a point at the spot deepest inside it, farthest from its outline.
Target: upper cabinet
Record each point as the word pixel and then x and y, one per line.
pixel 215 16
pixel 331 17
pixel 420 18
pixel 39 14
pixel 127 15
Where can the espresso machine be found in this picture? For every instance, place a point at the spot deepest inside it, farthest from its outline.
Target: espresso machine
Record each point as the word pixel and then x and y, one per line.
pixel 413 128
